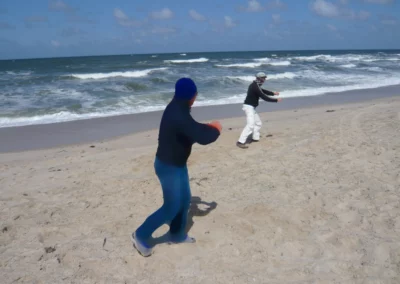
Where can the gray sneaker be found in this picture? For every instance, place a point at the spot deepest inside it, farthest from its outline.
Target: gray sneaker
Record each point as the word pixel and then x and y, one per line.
pixel 142 249
pixel 241 145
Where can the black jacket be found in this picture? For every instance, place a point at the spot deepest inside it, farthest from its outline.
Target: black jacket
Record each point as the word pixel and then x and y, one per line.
pixel 255 92
pixel 179 131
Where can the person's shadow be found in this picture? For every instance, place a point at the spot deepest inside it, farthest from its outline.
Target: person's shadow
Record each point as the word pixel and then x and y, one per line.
pixel 194 210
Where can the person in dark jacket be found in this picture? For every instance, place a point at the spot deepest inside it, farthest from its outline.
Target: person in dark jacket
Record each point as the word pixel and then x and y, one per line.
pixel 254 93
pixel 178 132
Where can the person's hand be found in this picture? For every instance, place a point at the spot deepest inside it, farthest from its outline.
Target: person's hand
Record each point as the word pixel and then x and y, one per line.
pixel 276 93
pixel 279 100
pixel 216 124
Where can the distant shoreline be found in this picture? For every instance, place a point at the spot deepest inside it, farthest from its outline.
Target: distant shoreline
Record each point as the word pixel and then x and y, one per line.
pixel 41 136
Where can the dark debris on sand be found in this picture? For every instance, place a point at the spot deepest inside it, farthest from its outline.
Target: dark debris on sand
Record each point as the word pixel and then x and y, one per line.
pixel 49 249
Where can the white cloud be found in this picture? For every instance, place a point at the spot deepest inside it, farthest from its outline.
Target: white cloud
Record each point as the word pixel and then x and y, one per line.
pixel 55 43
pixel 331 27
pixel 276 4
pixel 123 19
pixel 362 15
pixel 276 18
pixel 373 28
pixel 163 30
pixel 330 10
pixel 379 1
pixel 229 23
pixel 120 15
pixel 325 8
pixel 388 20
pixel 196 16
pixel 59 5
pixel 254 6
pixel 164 14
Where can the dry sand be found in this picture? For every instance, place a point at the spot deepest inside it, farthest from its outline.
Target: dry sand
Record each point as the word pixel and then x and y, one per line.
pixel 318 202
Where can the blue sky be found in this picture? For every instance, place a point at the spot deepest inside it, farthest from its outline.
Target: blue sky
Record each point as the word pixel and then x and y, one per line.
pixel 41 28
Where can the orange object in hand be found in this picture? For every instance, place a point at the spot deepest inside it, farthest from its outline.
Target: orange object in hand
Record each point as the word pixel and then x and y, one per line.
pixel 216 124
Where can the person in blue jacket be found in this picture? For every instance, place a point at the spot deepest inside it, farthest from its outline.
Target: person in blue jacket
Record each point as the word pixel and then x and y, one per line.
pixel 178 132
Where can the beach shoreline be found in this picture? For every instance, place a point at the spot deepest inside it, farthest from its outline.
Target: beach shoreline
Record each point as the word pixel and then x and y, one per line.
pixel 42 136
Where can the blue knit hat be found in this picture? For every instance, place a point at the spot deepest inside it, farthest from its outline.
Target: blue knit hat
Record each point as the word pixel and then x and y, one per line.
pixel 185 89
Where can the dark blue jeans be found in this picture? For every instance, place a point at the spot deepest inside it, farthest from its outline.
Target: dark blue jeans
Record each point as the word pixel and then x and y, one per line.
pixel 174 211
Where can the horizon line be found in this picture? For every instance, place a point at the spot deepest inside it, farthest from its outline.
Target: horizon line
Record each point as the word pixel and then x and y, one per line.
pixel 191 52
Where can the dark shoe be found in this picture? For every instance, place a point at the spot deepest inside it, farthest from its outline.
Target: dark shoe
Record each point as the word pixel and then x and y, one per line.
pixel 241 145
pixel 252 140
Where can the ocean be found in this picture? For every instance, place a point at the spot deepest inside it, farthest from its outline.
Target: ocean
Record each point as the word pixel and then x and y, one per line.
pixel 40 91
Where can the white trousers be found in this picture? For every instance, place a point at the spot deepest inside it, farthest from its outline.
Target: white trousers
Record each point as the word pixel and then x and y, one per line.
pixel 253 124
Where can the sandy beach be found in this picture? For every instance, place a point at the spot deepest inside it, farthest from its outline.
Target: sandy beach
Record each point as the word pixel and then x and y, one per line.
pixel 317 200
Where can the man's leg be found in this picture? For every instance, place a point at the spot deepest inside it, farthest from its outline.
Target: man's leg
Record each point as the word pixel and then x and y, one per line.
pixel 178 225
pixel 249 110
pixel 257 127
pixel 169 177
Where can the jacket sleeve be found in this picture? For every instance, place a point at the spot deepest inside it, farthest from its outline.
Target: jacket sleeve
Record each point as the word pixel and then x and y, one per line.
pixel 200 133
pixel 268 93
pixel 261 94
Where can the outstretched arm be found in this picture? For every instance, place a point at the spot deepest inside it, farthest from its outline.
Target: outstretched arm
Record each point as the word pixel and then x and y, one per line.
pixel 265 97
pixel 198 132
pixel 269 93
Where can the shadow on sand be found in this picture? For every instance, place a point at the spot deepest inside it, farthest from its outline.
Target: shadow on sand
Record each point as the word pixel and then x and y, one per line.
pixel 194 211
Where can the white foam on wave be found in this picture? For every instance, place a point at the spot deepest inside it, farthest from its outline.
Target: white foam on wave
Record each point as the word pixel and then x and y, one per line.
pixel 266 59
pixel 65 116
pixel 197 60
pixel 382 82
pixel 21 73
pixel 233 99
pixel 332 78
pixel 240 65
pixel 374 69
pixel 126 74
pixel 242 78
pixel 314 57
pixel 183 54
pixel 348 65
pixel 258 62
pixel 286 75
pixel 280 63
pixel 333 58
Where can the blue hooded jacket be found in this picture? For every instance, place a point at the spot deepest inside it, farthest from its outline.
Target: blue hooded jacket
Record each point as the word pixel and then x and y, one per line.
pixel 178 130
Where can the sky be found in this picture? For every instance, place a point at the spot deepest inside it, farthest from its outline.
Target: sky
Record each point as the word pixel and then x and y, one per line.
pixel 58 28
